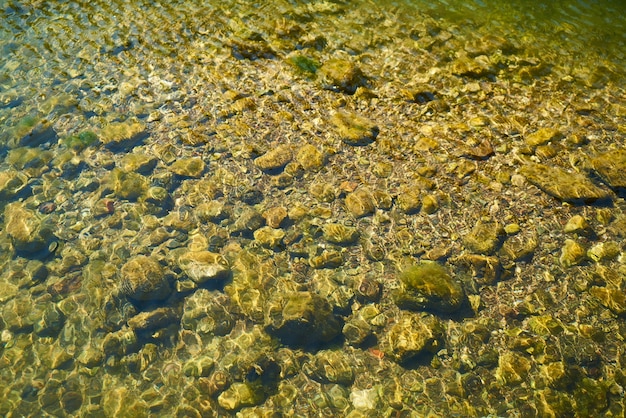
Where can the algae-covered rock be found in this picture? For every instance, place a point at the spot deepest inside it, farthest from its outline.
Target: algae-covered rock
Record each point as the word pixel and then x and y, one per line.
pixel 270 237
pixel 566 186
pixel 360 203
pixel 411 335
pixel 409 200
pixel 274 159
pixel 310 158
pixel 330 366
pixel 207 313
pixel 27 230
pixel 144 279
pixel 119 136
pixel 241 394
pixel 32 131
pixel 342 76
pixel 428 285
pixel 340 234
pixel 354 129
pixel 201 266
pixel 275 216
pixel 248 221
pixel 572 253
pixel 611 166
pixel 139 163
pixel 327 259
pixel 302 319
pixel 188 167
pixel 577 224
pixel 512 368
pixel 80 141
pixel 128 185
pixel 484 238
pixel 543 136
pixel 12 182
pixel 153 320
pixel 611 298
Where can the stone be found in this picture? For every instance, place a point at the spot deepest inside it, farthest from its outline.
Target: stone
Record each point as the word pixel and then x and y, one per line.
pixel 512 368
pixel 239 395
pixel 428 285
pixel 360 203
pixel 572 253
pixel 29 234
pixel 409 200
pixel 269 237
pixel 153 320
pixel 411 335
pixel 139 163
pixel 340 234
pixel 604 251
pixel 563 185
pixel 207 313
pixel 328 259
pixel 354 129
pixel 248 221
pixel 275 159
pixel 611 298
pixel 202 266
pixel 120 136
pixel 330 366
pixel 577 224
pixel 341 75
pixel 275 216
pixel 310 158
pixel 484 238
pixel 144 279
pixel 80 141
pixel 542 136
pixel 611 166
pixel 188 167
pixel 301 319
pixel 12 182
pixel 430 204
pixel 128 186
pixel 32 131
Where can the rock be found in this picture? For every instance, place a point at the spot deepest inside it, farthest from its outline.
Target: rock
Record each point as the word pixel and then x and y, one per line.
pixel 157 201
pixel 275 159
pixel 565 186
pixel 360 203
pixel 477 67
pixel 207 313
pixel 301 319
pixel 12 182
pixel 512 369
pixel 143 279
pixel 342 76
pixel 484 238
pixel 139 163
pixel 577 224
pixel 270 237
pixel 80 141
pixel 611 166
pixel 153 320
pixel 572 253
pixel 409 200
pixel 248 221
pixel 429 286
pixel 430 204
pixel 120 136
pixel 50 322
pixel 611 298
pixel 128 186
pixel 275 216
pixel 201 266
pixel 340 234
pixel 28 232
pixel 240 394
pixel 604 251
pixel 411 335
pixel 32 131
pixel 330 366
pixel 328 259
pixel 543 136
pixel 310 158
pixel 354 129
pixel 188 167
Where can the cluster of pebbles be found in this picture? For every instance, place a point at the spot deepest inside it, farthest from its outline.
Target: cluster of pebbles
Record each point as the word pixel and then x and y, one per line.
pixel 309 208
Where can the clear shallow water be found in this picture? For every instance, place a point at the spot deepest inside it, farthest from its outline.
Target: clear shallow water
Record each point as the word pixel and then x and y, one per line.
pixel 227 83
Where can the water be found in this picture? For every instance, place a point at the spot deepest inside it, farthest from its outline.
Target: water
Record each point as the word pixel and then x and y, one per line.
pixel 212 208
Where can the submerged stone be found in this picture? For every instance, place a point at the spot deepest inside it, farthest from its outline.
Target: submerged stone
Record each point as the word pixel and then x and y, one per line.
pixel 310 158
pixel 565 186
pixel 572 253
pixel 302 319
pixel 429 286
pixel 201 266
pixel 330 366
pixel 543 136
pixel 144 279
pixel 413 334
pixel 611 166
pixel 28 232
pixel 12 182
pixel 342 76
pixel 119 136
pixel 188 167
pixel 484 238
pixel 360 203
pixel 354 129
pixel 274 159
pixel 340 234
